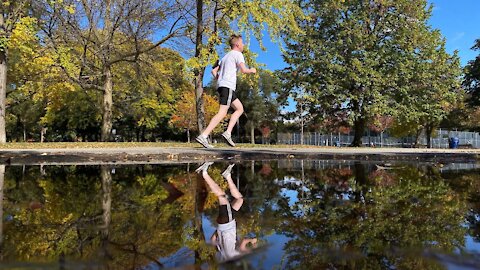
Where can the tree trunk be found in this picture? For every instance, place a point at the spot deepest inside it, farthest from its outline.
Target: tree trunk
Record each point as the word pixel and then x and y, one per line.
pixel 188 135
pixel 199 72
pixel 381 139
pixel 107 105
pixel 200 198
pixel 301 123
pixel 2 178
pixel 252 134
pixel 417 138
pixel 106 177
pixel 199 102
pixel 3 94
pixel 361 180
pixel 42 134
pixel 142 137
pixel 359 128
pixel 428 134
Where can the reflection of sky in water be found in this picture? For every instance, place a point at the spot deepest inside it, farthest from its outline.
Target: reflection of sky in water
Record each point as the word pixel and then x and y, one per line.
pixel 472 245
pixel 269 258
pixel 292 196
pixel 286 189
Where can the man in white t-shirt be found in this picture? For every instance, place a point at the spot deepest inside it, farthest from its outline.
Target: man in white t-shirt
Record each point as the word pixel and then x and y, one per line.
pixel 226 75
pixel 225 236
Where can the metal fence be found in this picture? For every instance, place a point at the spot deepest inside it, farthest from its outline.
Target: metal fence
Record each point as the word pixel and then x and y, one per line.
pixel 440 140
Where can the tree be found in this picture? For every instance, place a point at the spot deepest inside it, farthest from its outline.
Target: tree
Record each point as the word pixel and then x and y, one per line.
pixel 95 33
pixel 11 13
pixel 380 124
pixel 434 86
pixel 215 20
pixel 353 54
pixel 146 91
pixel 472 85
pixel 184 116
pixel 260 101
pixel 472 77
pixel 126 219
pixel 34 83
pixel 369 215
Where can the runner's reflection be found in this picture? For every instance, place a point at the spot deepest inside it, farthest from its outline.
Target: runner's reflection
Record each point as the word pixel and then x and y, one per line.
pixel 225 235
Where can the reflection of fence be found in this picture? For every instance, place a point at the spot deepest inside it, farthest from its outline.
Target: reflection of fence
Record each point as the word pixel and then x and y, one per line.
pixel 460 167
pixel 439 140
pixel 298 165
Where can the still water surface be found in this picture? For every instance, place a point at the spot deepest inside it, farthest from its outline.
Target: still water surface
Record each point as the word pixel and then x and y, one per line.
pixel 287 214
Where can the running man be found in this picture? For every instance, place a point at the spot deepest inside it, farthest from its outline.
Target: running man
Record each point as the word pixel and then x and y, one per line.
pixel 225 236
pixel 226 75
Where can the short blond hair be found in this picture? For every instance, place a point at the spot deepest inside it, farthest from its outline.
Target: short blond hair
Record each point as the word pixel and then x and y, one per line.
pixel 233 40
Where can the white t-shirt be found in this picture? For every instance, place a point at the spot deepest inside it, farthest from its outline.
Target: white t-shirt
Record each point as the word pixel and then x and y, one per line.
pixel 227 73
pixel 226 240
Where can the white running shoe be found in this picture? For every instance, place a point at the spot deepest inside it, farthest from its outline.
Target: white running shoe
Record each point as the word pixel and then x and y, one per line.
pixel 228 171
pixel 203 141
pixel 228 138
pixel 203 167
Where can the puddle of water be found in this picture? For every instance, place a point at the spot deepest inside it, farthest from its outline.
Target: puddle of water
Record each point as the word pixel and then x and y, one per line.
pixel 286 214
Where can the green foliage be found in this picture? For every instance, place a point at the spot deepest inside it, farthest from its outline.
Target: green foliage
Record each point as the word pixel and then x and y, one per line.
pixel 343 216
pixel 147 89
pixel 260 101
pixel 215 21
pixel 385 213
pixel 472 77
pixel 434 89
pixel 361 59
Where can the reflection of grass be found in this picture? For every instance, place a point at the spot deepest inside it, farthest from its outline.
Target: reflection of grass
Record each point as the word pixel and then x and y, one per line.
pixel 55 145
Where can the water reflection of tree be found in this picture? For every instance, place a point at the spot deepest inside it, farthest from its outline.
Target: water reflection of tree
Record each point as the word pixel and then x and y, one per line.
pixel 370 220
pixel 76 210
pixel 156 210
pixel 2 180
pixel 468 184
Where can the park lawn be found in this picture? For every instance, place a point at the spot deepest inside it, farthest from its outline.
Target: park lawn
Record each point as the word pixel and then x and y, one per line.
pixel 74 145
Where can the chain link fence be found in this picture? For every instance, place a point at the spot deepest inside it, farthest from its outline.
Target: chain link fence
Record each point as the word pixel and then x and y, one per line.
pixel 439 140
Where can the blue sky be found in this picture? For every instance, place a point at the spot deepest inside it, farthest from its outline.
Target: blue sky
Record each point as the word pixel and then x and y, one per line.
pixel 457 20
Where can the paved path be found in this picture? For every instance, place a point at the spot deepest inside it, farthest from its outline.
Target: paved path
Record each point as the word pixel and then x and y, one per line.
pixel 191 154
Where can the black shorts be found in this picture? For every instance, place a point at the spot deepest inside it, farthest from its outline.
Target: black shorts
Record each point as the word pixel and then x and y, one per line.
pixel 223 214
pixel 226 96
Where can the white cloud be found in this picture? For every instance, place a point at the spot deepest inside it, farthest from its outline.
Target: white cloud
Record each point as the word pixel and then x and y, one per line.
pixel 458 36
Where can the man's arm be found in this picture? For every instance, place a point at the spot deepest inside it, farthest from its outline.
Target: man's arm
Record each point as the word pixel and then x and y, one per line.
pixel 213 238
pixel 215 72
pixel 246 70
pixel 243 245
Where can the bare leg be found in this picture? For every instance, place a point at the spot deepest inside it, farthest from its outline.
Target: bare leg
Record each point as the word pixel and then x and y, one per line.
pixel 233 188
pixel 222 199
pixel 238 202
pixel 222 112
pixel 238 107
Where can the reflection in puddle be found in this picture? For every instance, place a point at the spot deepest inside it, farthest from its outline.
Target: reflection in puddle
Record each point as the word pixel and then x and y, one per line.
pixel 287 214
